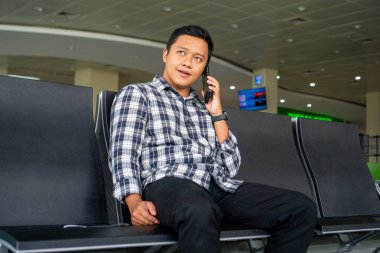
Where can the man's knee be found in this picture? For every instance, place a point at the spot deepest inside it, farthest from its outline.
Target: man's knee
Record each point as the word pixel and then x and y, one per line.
pixel 199 214
pixel 306 208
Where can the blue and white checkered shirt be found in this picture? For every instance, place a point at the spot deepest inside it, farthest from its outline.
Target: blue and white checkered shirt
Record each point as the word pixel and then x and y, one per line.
pixel 156 133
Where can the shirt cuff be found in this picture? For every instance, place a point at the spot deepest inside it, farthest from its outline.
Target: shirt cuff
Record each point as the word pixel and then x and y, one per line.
pixel 230 143
pixel 126 187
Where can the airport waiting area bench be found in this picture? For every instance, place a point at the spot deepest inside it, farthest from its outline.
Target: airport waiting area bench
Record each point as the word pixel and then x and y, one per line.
pixel 56 187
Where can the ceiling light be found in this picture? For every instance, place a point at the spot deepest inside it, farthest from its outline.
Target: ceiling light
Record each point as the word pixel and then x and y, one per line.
pixel 232 87
pixel 278 77
pixel 236 52
pixel 38 8
pixel 282 61
pixel 167 9
pixel 336 51
pixel 357 78
pixel 290 40
pixel 234 26
pixel 312 84
pixel 357 26
pixel 301 8
pixel 309 105
pixel 116 26
pixel 282 101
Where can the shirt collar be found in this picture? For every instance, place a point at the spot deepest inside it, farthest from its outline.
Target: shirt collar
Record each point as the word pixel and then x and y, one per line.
pixel 161 84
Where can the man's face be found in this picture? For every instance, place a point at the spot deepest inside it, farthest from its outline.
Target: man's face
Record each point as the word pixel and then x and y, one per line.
pixel 185 61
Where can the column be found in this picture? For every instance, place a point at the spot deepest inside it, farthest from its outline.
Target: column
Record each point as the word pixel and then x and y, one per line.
pixel 373 119
pixel 268 78
pixel 3 70
pixel 373 113
pixel 98 78
pixel 3 66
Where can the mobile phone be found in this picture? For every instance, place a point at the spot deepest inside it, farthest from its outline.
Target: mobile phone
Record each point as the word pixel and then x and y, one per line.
pixel 208 93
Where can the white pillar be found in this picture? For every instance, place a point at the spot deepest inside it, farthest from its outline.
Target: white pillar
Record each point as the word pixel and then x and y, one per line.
pixel 3 69
pixel 97 78
pixel 373 113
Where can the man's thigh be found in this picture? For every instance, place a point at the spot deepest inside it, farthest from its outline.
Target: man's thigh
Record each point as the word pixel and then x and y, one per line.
pixel 260 205
pixel 171 195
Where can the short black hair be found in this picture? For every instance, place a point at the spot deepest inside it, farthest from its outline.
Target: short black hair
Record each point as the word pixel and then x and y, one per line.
pixel 192 30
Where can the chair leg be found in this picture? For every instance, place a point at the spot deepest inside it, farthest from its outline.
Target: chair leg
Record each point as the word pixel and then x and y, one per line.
pixel 348 242
pixel 3 249
pixel 255 246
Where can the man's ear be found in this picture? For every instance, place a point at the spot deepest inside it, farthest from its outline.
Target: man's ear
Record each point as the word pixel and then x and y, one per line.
pixel 164 54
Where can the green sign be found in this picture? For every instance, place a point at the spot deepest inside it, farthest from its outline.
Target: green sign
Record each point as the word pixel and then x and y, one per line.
pixel 308 115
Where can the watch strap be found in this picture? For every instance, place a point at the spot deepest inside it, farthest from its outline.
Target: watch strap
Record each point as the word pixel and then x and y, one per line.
pixel 222 116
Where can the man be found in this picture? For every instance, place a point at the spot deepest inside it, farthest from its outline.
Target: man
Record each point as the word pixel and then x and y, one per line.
pixel 173 159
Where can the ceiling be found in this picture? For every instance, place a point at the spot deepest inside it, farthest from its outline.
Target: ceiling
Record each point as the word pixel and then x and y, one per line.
pixel 322 41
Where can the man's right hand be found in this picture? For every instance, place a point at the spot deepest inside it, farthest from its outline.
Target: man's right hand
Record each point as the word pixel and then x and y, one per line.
pixel 142 212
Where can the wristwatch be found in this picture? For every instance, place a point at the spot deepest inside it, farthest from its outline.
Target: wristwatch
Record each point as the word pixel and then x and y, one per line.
pixel 222 116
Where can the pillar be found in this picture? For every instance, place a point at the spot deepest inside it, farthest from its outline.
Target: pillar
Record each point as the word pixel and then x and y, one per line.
pixel 373 113
pixel 373 117
pixel 3 70
pixel 98 78
pixel 268 78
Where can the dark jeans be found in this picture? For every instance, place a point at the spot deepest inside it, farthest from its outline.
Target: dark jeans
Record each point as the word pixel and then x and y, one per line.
pixel 195 214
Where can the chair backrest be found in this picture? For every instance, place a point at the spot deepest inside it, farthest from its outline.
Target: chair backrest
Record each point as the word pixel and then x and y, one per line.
pixel 50 173
pixel 268 150
pixel 116 212
pixel 337 165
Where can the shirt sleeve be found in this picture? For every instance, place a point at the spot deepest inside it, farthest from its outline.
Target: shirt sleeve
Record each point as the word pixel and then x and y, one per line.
pixel 127 132
pixel 228 155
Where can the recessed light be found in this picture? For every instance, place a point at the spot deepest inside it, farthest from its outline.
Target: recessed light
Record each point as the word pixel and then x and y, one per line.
pixel 167 9
pixel 301 8
pixel 236 52
pixel 357 78
pixel 312 84
pixel 278 77
pixel 38 8
pixel 357 26
pixel 282 101
pixel 232 87
pixel 309 105
pixel 234 26
pixel 290 40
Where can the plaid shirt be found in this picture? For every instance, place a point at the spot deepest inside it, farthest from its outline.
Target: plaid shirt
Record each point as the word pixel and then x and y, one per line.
pixel 156 133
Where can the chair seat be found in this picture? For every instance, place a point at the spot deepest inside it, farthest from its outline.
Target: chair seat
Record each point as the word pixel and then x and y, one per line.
pixel 347 225
pixel 56 238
